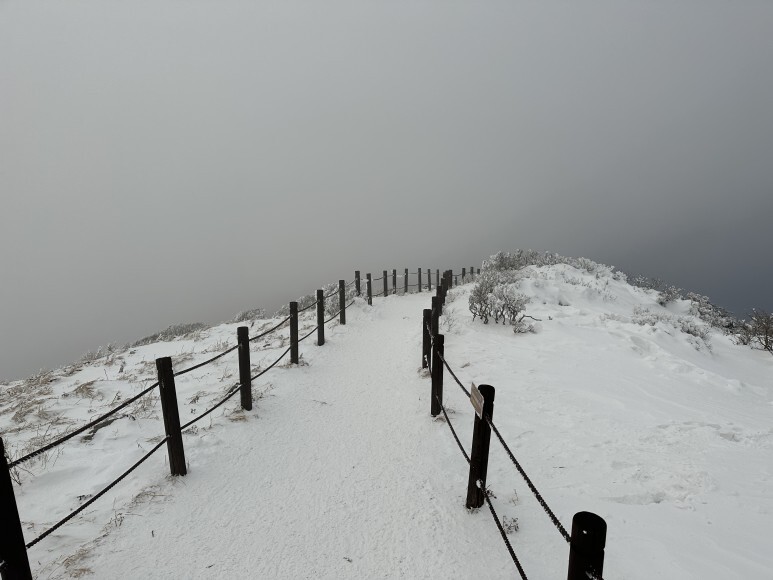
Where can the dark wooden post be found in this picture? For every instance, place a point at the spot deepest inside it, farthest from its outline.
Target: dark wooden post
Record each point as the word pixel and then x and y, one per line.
pixel 386 284
pixel 437 374
pixel 481 438
pixel 394 281
pixel 472 273
pixel 405 282
pixel 342 301
pixel 245 381
pixel 478 271
pixel 437 277
pixel 294 333
pixel 13 552
pixel 357 282
pixel 320 317
pixel 426 321
pixel 369 285
pixel 464 273
pixel 419 284
pixel 437 306
pixel 171 413
pixel 586 549
pixel 429 280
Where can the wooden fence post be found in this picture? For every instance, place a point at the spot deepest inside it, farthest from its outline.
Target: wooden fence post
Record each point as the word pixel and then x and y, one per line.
pixel 294 333
pixel 419 284
pixel 472 273
pixel 478 271
pixel 405 281
pixel 13 552
pixel 342 301
pixel 437 277
pixel 429 280
pixel 245 381
pixel 394 281
pixel 437 374
pixel 320 317
pixel 437 307
pixel 464 273
pixel 586 548
pixel 386 284
pixel 481 438
pixel 426 321
pixel 369 285
pixel 357 282
pixel 171 413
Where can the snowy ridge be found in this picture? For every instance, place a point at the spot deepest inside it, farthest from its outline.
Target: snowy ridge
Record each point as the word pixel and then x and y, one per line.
pixel 339 472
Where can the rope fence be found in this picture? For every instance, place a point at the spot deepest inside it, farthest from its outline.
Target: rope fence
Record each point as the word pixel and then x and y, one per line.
pixel 91 500
pixel 13 556
pixel 588 537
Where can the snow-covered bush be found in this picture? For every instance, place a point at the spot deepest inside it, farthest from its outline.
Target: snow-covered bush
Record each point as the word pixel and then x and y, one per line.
pixel 249 315
pixel 669 294
pixel 709 313
pixel 757 331
pixel 495 295
pixel 187 330
pixel 519 259
pixel 686 324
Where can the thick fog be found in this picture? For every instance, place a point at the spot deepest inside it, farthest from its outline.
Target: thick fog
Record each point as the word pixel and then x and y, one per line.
pixel 176 161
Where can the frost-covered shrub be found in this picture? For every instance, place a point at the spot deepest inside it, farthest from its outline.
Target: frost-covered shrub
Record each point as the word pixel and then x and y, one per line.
pixel 248 315
pixel 495 295
pixel 171 333
pixel 519 259
pixel 757 331
pixel 709 313
pixel 669 294
pixel 686 324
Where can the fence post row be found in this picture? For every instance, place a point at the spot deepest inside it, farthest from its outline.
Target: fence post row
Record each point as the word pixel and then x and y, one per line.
pixel 171 413
pixel 294 333
pixel 13 552
pixel 357 282
pixel 320 317
pixel 586 548
pixel 437 374
pixel 245 381
pixel 481 438
pixel 386 284
pixel 342 301
pixel 369 284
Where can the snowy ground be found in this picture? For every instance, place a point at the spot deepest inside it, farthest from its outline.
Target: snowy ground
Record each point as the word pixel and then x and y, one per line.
pixel 339 472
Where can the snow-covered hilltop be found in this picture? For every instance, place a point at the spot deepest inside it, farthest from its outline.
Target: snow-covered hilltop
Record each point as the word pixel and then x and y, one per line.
pixel 614 403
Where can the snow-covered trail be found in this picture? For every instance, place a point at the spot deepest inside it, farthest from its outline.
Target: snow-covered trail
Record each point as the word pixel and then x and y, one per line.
pixel 338 473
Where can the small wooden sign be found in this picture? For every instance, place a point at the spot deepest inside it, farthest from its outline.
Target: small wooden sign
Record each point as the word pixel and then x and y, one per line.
pixel 477 400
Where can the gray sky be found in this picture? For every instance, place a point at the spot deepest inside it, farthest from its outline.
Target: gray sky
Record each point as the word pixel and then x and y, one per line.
pixel 174 161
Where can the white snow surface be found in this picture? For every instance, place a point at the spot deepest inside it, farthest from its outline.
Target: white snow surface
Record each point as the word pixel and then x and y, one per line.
pixel 340 472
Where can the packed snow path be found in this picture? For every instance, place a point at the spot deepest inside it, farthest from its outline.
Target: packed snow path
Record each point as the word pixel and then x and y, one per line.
pixel 339 473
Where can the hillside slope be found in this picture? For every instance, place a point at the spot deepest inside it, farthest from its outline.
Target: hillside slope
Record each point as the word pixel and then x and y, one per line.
pixel 339 472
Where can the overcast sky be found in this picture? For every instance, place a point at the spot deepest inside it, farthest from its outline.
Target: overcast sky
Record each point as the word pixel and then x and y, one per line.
pixel 175 161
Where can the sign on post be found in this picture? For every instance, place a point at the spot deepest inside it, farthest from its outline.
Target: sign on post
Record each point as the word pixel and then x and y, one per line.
pixel 477 400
